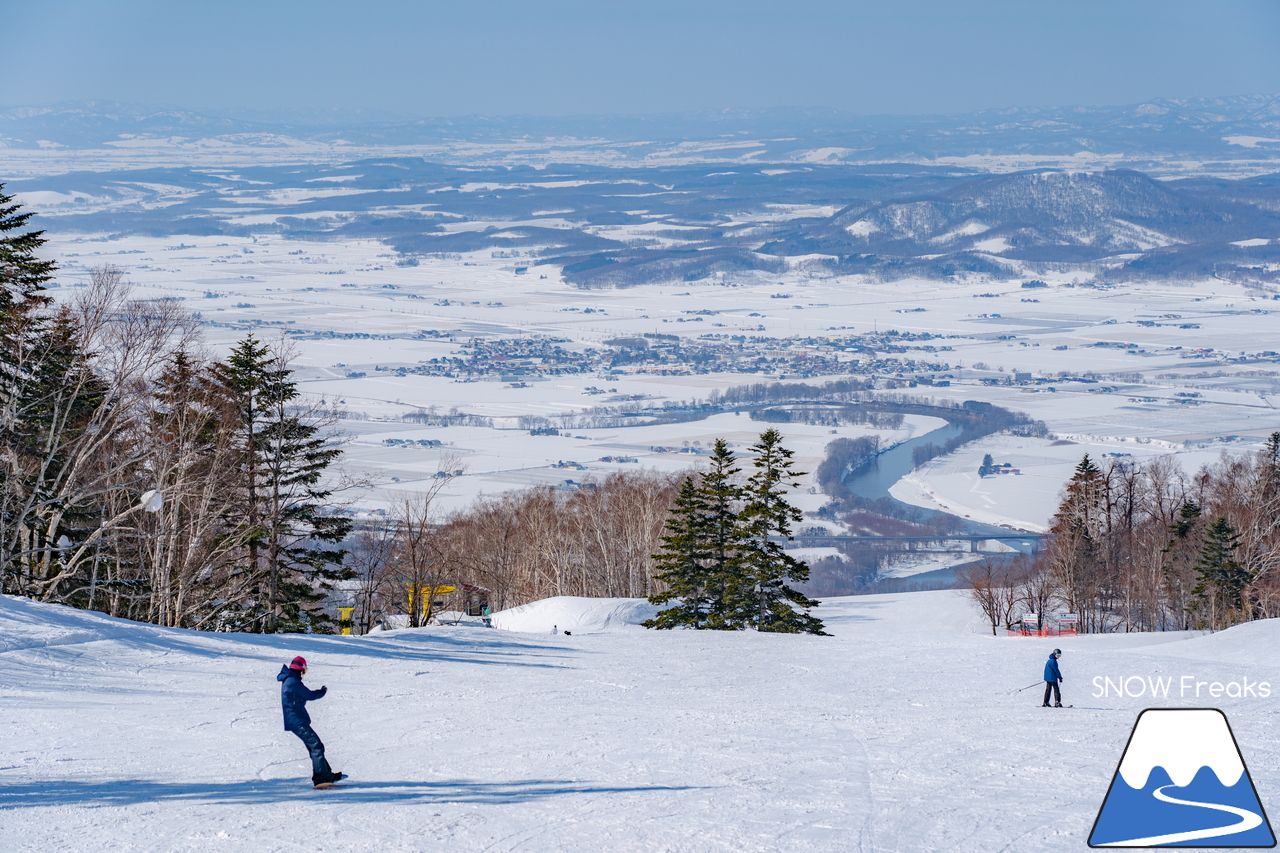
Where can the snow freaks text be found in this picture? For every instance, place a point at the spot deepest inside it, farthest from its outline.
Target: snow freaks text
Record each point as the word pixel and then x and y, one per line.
pixel 1182 687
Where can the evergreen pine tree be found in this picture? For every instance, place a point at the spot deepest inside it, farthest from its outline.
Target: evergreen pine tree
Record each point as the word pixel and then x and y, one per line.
pixel 1179 555
pixel 682 563
pixel 703 549
pixel 49 395
pixel 1075 538
pixel 722 534
pixel 1269 459
pixel 24 327
pixel 1184 525
pixel 760 594
pixel 279 512
pixel 23 276
pixel 1222 578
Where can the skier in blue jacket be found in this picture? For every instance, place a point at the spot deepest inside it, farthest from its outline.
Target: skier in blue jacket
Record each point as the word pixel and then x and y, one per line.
pixel 1052 675
pixel 294 696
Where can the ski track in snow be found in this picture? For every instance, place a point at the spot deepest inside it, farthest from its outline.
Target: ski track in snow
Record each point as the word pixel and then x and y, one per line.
pixel 899 733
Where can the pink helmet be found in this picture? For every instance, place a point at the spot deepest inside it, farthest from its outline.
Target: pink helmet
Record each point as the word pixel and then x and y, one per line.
pixel 299 663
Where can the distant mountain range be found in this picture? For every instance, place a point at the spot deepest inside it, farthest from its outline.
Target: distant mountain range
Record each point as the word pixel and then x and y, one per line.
pixel 1007 224
pixel 1116 224
pixel 1245 127
pixel 622 226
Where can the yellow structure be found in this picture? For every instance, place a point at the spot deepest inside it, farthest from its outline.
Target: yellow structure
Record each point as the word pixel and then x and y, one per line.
pixel 428 594
pixel 344 613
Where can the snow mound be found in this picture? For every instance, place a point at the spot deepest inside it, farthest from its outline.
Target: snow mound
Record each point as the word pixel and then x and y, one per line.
pixel 579 615
pixel 1250 644
pixel 27 624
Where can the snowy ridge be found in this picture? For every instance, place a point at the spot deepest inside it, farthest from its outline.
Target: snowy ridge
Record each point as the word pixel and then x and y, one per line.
pixel 31 625
pixel 1032 209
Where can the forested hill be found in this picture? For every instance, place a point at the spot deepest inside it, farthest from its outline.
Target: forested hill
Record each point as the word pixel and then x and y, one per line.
pixel 1169 228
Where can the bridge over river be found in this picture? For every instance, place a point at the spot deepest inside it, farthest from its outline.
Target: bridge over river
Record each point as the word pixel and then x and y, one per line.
pixel 875 480
pixel 1018 542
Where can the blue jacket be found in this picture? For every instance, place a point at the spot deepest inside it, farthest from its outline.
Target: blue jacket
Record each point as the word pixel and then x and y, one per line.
pixel 1051 671
pixel 294 697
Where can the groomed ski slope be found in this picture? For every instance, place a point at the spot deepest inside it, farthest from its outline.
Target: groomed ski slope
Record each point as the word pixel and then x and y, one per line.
pixel 900 733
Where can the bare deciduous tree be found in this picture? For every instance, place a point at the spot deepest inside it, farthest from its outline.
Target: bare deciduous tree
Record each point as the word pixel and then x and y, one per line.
pixel 991 586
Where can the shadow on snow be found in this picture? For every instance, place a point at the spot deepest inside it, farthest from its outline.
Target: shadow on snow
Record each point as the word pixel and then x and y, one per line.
pixel 80 628
pixel 129 792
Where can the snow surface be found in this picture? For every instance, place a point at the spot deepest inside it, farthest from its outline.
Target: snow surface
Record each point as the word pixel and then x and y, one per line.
pixel 1248 141
pixel 1026 500
pixel 576 614
pixel 904 731
pixel 995 245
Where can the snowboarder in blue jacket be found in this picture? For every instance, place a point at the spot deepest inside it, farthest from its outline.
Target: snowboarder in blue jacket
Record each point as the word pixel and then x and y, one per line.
pixel 294 696
pixel 1052 676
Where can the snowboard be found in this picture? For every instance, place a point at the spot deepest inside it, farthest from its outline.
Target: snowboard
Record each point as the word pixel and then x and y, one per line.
pixel 324 786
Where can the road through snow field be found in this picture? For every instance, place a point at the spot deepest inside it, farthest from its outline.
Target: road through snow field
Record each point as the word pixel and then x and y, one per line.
pixel 899 733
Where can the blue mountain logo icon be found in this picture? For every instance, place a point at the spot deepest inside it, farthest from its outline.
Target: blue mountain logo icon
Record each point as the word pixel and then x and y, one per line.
pixel 1182 783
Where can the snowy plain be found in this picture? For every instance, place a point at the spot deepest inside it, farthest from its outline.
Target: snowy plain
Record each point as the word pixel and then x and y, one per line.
pixel 1146 363
pixel 903 731
pixel 1185 368
pixel 1029 498
pixel 1177 364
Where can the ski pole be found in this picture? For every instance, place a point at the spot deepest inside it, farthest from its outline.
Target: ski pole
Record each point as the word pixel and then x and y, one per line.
pixel 1028 687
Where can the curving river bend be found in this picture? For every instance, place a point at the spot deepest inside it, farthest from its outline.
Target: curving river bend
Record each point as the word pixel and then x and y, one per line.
pixel 874 480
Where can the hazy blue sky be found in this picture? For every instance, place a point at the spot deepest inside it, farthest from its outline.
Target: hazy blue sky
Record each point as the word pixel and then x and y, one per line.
pixel 556 57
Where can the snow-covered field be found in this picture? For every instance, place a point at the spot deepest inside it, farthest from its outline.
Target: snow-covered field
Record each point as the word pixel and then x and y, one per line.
pixel 902 732
pixel 240 149
pixel 1176 364
pixel 1207 340
pixel 499 459
pixel 1026 499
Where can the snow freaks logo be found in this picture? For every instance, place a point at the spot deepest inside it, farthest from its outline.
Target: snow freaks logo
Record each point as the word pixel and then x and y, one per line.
pixel 1181 783
pixel 1186 687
